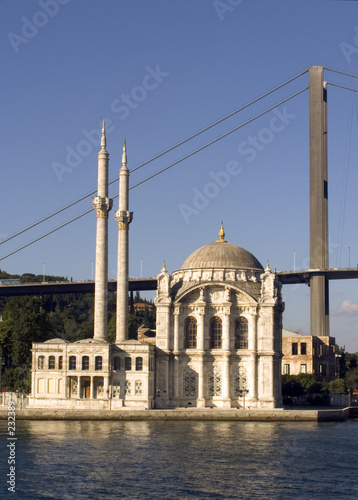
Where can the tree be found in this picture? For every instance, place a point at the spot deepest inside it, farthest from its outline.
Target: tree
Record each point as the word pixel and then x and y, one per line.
pixel 291 387
pixel 337 386
pixel 24 322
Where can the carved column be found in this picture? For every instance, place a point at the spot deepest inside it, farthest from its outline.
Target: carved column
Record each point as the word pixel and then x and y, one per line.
pixel 176 387
pixel 92 388
pixel 253 375
pixel 226 351
pixel 200 347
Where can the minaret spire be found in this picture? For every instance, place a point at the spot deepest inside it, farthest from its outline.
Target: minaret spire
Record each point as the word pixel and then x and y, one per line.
pixel 103 138
pixel 123 218
pixel 124 154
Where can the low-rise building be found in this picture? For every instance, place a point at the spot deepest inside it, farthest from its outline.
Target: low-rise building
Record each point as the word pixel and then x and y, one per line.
pixel 308 354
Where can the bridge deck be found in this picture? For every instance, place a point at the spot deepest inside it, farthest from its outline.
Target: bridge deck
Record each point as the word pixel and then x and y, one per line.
pixel 146 284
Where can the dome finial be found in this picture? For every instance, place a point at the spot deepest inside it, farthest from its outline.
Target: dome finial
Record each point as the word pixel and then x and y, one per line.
pixel 221 234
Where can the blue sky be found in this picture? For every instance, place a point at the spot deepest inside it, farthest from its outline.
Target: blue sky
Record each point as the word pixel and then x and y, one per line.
pixel 159 72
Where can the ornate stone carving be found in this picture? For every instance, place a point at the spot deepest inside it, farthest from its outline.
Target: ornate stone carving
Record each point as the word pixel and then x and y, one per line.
pixel 116 390
pixel 123 218
pixel 240 381
pixel 218 275
pixel 138 388
pixel 207 275
pixel 189 382
pixel 227 294
pixel 242 298
pixel 217 296
pixel 215 381
pixel 230 276
pixel 102 205
pixel 201 295
pixel 268 286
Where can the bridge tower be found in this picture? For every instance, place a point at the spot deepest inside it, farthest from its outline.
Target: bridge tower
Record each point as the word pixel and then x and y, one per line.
pixel 319 293
pixel 102 204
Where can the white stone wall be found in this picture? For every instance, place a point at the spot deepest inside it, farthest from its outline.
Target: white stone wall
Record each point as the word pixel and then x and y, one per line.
pixel 211 377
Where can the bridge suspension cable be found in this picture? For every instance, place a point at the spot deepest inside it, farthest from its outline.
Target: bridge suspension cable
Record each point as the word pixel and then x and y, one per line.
pixel 163 169
pixel 156 157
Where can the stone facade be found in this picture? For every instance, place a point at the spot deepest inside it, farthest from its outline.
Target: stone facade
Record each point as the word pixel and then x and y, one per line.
pixel 218 338
pixel 93 375
pixel 308 354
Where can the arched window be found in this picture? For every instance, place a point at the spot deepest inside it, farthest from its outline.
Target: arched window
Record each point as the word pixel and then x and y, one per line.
pixel 128 363
pixel 241 334
pixel 116 363
pixel 72 363
pixel 85 363
pixel 190 333
pixel 41 362
pixel 51 362
pixel 138 364
pixel 215 333
pixel 98 363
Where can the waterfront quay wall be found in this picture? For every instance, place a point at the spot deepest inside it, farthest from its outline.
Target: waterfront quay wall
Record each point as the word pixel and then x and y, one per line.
pixel 279 415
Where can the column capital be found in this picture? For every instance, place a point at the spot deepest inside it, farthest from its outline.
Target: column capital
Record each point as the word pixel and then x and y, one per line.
pixel 123 218
pixel 102 205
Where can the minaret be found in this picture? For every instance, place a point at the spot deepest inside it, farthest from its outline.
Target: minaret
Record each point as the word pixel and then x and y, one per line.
pixel 102 204
pixel 123 218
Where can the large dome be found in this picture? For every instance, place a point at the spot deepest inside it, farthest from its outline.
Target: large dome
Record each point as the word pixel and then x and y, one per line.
pixel 221 254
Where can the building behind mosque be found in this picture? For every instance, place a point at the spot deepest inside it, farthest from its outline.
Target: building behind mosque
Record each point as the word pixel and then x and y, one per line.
pixel 218 331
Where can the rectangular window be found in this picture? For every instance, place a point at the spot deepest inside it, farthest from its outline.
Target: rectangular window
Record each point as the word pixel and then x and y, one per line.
pixel 116 363
pixel 294 348
pixel 323 370
pixel 128 363
pixel 286 369
pixel 85 363
pixel 60 363
pixel 72 363
pixel 303 368
pixel 303 348
pixel 139 364
pixel 98 363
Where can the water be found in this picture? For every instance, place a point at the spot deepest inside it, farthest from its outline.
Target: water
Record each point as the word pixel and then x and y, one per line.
pixel 182 460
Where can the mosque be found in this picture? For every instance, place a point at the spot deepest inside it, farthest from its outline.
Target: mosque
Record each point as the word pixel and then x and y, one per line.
pixel 218 331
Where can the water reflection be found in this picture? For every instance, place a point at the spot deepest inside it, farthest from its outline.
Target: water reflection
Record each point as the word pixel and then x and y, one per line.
pixel 183 460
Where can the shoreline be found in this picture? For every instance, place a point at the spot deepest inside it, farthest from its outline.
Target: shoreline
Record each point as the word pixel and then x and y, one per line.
pixel 278 415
